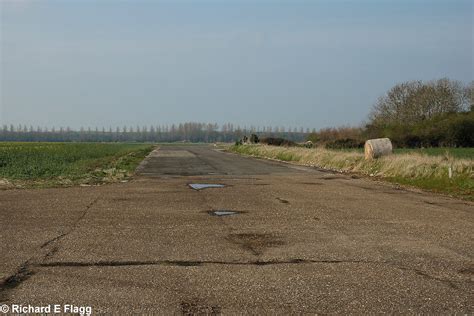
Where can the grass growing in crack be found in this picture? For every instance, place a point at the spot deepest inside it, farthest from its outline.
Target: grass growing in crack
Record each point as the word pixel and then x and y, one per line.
pixel 410 168
pixel 52 164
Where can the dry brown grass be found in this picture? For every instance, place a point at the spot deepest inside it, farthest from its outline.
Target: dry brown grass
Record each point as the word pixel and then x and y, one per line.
pixel 429 172
pixel 412 165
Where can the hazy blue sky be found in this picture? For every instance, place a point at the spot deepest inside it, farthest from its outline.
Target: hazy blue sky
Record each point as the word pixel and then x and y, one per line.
pixel 286 63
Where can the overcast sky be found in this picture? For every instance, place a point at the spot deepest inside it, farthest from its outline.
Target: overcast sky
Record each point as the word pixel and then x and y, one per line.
pixel 282 63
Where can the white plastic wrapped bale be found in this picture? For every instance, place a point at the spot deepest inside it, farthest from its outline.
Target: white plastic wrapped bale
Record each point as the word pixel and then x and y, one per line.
pixel 375 148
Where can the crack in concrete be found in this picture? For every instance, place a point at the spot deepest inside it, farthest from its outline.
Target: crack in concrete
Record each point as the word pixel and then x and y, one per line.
pixel 73 227
pixel 53 240
pixel 450 283
pixel 184 263
pixel 191 263
pixel 24 272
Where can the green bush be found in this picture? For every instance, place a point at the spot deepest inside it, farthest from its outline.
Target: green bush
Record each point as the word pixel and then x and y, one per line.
pixel 345 143
pixel 254 139
pixel 278 142
pixel 444 130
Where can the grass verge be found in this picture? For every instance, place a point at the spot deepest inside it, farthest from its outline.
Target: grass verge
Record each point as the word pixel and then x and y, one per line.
pixel 65 164
pixel 413 169
pixel 467 153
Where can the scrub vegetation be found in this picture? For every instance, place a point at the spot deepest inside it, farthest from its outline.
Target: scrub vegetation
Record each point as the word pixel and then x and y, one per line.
pixel 414 114
pixel 52 164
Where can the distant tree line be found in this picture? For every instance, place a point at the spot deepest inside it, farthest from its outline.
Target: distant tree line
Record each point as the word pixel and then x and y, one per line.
pixel 413 114
pixel 185 132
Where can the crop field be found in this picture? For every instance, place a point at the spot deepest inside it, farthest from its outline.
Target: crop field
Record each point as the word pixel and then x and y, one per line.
pixel 68 163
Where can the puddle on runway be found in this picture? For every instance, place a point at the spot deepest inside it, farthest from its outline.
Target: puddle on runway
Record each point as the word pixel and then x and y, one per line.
pixel 202 186
pixel 223 213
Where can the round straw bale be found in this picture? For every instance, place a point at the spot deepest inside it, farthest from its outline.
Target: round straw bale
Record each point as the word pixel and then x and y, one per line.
pixel 375 148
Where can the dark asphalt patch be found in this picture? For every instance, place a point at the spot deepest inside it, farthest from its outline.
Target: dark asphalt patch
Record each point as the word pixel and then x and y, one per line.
pixel 254 242
pixel 23 274
pixel 52 252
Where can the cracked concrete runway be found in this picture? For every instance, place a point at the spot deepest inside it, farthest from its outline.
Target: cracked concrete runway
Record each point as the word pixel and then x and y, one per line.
pixel 304 241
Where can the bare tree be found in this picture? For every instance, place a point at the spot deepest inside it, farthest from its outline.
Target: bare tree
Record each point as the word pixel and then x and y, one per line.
pixel 468 97
pixel 414 101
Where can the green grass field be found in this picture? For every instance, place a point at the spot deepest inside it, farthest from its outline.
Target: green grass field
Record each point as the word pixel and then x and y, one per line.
pixel 69 163
pixel 466 153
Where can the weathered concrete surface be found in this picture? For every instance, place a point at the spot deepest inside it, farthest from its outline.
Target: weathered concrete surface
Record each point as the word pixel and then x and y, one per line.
pixel 306 241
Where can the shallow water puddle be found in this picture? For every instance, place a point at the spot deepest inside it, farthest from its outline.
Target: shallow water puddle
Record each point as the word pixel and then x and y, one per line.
pixel 223 213
pixel 202 186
